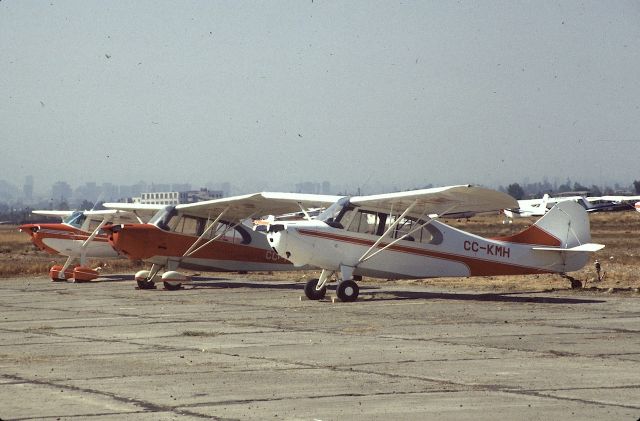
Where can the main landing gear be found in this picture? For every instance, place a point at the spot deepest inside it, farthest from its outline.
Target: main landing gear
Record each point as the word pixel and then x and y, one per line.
pixel 144 278
pixel 347 290
pixel 171 280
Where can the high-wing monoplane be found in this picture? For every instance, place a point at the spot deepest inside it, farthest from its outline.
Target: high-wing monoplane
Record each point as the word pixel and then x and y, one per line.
pixel 214 235
pixel 398 235
pixel 79 237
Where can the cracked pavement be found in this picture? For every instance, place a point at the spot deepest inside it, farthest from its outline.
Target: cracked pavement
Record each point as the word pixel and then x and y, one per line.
pixel 232 348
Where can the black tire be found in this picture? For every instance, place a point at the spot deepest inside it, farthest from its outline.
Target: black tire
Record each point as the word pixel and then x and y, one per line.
pixel 172 287
pixel 312 293
pixel 145 284
pixel 347 291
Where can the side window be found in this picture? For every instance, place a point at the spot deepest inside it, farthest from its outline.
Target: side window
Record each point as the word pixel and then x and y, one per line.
pixel 188 225
pixel 93 224
pixel 363 222
pixel 414 232
pixel 236 235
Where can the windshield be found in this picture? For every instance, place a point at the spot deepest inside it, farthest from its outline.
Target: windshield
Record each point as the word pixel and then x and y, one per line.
pixel 331 213
pixel 162 217
pixel 76 219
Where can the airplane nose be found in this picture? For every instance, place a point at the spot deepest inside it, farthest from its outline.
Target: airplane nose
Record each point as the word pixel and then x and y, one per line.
pixel 277 240
pixel 29 229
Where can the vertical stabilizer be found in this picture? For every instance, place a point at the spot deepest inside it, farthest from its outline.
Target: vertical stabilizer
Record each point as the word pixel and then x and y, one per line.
pixel 568 222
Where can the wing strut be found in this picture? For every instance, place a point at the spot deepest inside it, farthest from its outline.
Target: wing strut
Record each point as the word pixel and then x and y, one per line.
pixel 83 247
pixel 366 256
pixel 204 232
pixel 229 227
pixel 306 215
pixel 388 230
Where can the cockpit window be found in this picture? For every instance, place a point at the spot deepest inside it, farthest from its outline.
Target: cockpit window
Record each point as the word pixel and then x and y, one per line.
pixel 363 221
pixel 162 217
pixel 414 230
pixel 331 213
pixel 76 219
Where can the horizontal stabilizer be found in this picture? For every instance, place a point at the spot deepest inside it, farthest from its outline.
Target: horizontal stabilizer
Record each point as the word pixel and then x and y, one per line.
pixel 581 247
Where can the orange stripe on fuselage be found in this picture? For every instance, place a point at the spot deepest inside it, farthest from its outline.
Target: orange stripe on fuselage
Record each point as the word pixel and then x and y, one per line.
pixel 477 266
pixel 533 235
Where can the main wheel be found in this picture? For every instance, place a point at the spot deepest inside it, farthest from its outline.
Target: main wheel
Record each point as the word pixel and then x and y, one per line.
pixel 145 284
pixel 312 293
pixel 171 286
pixel 347 290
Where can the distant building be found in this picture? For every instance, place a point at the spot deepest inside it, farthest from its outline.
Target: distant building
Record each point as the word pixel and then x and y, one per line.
pixel 176 198
pixel 27 189
pixel 61 191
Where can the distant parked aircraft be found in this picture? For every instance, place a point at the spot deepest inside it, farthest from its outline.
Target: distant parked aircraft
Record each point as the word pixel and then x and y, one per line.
pixel 80 236
pixel 538 207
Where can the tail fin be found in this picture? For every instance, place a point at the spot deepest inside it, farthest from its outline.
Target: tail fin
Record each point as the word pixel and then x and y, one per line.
pixel 545 200
pixel 564 228
pixel 568 223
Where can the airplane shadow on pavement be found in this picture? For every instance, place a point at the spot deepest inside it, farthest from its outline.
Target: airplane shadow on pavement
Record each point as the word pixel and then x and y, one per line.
pixel 507 297
pixel 377 293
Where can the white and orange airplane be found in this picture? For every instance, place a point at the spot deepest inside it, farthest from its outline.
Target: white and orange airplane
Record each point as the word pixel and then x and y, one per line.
pixel 214 235
pixel 398 236
pixel 79 237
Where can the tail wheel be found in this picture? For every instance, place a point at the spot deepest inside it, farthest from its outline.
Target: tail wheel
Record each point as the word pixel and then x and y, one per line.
pixel 312 292
pixel 347 291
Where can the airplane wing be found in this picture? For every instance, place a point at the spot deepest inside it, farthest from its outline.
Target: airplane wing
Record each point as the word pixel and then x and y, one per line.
pixel 236 208
pixel 256 205
pixel 615 198
pixel 439 201
pixel 55 213
pixel 127 212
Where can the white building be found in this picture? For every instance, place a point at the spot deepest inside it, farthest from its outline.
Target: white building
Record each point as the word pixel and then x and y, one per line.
pixel 176 198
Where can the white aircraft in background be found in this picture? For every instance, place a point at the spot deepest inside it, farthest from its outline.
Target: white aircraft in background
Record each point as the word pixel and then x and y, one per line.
pixel 210 235
pixel 538 207
pixel 397 235
pixel 80 236
pixel 529 207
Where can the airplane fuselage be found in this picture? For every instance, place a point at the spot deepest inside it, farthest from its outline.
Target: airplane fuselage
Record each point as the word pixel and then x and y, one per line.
pixel 149 243
pixel 66 240
pixel 449 252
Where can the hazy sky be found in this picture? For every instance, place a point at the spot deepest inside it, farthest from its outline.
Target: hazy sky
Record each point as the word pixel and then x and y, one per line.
pixel 370 93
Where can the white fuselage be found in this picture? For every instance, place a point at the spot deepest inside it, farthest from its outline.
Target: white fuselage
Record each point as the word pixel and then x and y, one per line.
pixel 450 252
pixel 71 247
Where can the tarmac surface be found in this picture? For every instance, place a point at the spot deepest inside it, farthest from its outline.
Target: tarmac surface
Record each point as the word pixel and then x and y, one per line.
pixel 233 348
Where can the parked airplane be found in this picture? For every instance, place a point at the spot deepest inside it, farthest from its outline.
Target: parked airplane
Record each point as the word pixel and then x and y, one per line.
pixel 538 207
pixel 79 236
pixel 529 207
pixel 398 235
pixel 210 235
